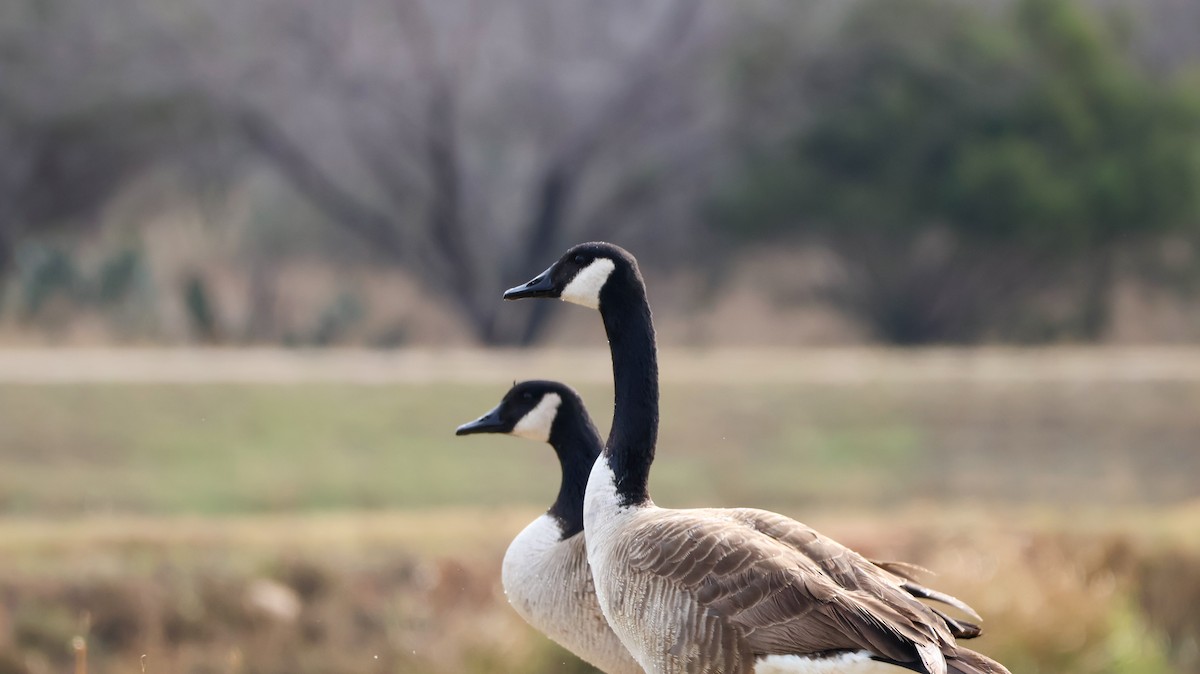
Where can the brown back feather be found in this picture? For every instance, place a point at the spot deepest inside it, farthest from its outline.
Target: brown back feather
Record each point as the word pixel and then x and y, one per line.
pixel 787 589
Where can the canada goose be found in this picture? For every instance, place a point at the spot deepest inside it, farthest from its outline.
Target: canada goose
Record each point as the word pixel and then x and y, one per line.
pixel 545 572
pixel 725 591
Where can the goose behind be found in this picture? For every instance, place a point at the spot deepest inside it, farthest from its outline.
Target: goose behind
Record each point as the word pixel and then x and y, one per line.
pixel 545 570
pixel 726 591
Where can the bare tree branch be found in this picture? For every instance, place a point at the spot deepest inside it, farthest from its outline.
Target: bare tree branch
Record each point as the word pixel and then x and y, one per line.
pixel 646 69
pixel 373 226
pixel 452 122
pixel 388 156
pixel 445 219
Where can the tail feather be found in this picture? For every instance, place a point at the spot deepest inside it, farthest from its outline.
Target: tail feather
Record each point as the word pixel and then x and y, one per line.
pixel 909 573
pixel 961 629
pixel 963 661
pixel 922 592
pixel 905 570
pixel 969 662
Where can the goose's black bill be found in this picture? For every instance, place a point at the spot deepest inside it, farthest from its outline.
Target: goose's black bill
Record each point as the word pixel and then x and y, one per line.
pixel 488 423
pixel 542 285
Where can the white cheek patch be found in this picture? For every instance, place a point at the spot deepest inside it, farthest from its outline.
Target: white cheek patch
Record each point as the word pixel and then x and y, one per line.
pixel 536 423
pixel 585 287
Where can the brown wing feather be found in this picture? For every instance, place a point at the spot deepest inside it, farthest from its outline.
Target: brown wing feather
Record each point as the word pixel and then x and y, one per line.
pixel 853 571
pixel 781 599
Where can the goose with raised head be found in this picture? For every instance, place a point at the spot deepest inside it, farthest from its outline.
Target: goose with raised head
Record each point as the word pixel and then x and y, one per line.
pixel 725 591
pixel 545 570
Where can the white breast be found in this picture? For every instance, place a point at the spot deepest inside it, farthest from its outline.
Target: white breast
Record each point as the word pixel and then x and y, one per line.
pixel 602 509
pixel 548 583
pixel 606 521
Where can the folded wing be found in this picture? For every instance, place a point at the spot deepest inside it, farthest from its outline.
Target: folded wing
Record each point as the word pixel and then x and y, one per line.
pixel 787 590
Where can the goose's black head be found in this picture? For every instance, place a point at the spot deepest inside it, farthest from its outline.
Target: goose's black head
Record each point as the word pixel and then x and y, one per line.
pixel 583 275
pixel 530 409
pixel 554 413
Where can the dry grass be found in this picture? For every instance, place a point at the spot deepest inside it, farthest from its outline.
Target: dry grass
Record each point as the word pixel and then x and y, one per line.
pixel 384 592
pixel 417 593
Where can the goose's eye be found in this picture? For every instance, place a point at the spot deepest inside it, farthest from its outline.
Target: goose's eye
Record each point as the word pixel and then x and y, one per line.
pixel 580 259
pixel 527 396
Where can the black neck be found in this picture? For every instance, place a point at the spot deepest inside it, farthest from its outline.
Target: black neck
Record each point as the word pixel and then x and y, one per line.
pixel 577 444
pixel 631 442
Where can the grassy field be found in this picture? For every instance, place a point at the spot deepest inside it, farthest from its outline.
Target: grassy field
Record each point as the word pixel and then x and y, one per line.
pixel 169 505
pixel 836 440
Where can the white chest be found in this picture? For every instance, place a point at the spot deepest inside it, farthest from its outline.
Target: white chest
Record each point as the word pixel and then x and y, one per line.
pixel 548 583
pixel 535 566
pixel 604 517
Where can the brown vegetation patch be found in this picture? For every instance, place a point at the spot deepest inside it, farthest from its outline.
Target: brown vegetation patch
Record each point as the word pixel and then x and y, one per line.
pixel 1055 600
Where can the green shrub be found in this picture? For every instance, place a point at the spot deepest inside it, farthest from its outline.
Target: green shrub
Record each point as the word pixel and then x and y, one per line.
pixel 1019 144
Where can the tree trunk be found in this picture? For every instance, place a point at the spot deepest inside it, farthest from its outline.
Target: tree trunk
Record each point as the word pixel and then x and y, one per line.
pixel 550 210
pixel 1095 312
pixel 536 325
pixel 6 261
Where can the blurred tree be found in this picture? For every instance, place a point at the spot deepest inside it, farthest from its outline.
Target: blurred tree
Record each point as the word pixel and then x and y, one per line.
pixel 80 115
pixel 960 161
pixel 472 141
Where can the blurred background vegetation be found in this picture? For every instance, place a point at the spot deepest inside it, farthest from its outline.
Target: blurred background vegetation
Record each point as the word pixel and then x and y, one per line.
pixel 907 172
pixel 791 173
